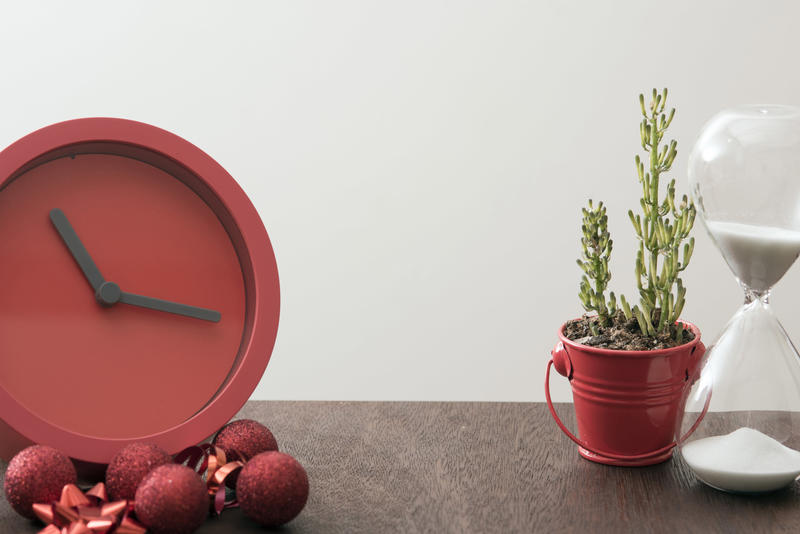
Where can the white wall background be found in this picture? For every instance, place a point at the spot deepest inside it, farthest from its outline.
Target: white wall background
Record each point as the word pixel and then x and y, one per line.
pixel 420 166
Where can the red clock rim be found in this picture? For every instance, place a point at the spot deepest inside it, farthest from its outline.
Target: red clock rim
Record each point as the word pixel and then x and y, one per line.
pixel 265 287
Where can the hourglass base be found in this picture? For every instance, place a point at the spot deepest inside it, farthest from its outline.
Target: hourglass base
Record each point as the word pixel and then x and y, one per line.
pixel 641 462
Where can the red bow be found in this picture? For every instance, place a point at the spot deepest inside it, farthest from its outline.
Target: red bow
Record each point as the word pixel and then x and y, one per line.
pixel 214 468
pixel 89 513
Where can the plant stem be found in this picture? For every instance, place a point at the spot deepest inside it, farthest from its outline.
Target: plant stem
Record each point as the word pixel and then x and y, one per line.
pixel 654 177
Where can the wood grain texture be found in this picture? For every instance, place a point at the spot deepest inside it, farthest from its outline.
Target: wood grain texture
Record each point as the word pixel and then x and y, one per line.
pixel 477 467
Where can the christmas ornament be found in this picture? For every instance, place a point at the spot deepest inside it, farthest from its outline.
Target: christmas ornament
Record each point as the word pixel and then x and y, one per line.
pixel 36 475
pixel 129 467
pixel 272 488
pixel 171 499
pixel 245 437
pixel 79 513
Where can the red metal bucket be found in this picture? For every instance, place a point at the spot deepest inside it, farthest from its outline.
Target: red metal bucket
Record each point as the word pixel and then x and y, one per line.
pixel 628 404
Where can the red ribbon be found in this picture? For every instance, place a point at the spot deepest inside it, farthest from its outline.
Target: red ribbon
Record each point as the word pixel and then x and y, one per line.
pixel 87 513
pixel 211 464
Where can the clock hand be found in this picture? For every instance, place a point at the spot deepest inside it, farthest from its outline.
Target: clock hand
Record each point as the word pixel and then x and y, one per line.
pixel 109 293
pixel 76 248
pixel 169 307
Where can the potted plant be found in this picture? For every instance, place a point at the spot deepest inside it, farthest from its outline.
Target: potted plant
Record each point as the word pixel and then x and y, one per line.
pixel 630 367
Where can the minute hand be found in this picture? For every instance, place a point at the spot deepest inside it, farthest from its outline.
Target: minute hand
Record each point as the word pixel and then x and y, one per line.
pixel 170 307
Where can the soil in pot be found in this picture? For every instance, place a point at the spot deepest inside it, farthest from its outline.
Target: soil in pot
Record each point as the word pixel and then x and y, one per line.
pixel 622 334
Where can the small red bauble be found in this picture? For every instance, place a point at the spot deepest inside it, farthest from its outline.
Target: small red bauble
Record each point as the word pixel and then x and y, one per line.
pixel 171 499
pixel 130 465
pixel 37 475
pixel 272 488
pixel 246 437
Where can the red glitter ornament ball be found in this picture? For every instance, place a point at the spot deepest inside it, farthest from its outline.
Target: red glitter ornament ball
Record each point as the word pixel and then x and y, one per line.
pixel 172 499
pixel 245 436
pixel 36 475
pixel 130 465
pixel 272 488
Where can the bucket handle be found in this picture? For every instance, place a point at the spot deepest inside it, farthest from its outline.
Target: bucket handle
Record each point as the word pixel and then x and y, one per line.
pixel 700 348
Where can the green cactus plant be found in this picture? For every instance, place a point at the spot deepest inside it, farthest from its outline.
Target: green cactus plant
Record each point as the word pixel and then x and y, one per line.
pixel 661 228
pixel 597 245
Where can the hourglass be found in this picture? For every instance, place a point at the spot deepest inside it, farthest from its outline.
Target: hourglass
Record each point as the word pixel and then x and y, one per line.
pixel 744 174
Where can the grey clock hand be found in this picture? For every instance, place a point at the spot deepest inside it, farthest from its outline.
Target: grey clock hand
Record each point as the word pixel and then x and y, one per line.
pixel 76 248
pixel 108 293
pixel 169 307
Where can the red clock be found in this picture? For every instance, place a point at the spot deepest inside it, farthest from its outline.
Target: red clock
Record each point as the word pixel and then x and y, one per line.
pixel 139 294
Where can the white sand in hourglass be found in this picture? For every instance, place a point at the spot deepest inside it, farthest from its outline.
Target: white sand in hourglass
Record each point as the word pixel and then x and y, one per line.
pixel 758 255
pixel 745 460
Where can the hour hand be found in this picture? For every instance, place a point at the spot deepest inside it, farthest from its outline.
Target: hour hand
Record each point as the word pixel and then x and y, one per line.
pixel 76 248
pixel 170 307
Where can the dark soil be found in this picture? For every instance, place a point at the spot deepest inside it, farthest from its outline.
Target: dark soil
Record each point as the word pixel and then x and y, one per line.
pixel 621 334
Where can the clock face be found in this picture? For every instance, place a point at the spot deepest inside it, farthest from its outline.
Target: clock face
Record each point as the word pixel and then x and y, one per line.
pixel 83 359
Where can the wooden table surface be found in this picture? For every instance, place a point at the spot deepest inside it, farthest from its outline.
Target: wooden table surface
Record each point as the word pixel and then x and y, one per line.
pixel 409 467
